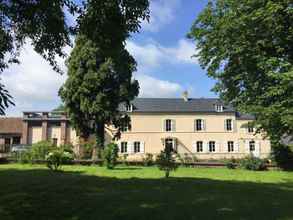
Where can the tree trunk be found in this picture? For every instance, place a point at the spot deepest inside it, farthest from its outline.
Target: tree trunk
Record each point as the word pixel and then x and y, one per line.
pixel 100 138
pixel 167 172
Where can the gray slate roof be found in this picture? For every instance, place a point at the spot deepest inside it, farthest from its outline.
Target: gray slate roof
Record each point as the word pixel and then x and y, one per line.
pixel 177 105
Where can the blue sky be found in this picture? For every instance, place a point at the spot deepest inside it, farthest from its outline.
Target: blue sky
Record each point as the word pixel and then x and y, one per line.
pixel 162 51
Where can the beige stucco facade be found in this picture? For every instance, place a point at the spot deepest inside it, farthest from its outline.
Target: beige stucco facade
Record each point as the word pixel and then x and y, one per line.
pixel 148 135
pixel 148 129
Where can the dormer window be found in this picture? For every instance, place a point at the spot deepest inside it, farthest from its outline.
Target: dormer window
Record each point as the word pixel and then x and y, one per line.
pixel 129 108
pixel 219 108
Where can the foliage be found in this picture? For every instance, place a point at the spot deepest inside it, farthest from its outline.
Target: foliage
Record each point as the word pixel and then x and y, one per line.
pixel 148 159
pixel 39 150
pixel 110 155
pixel 56 158
pixel 247 46
pixel 187 159
pixel 123 159
pixel 166 162
pixel 253 163
pixel 88 148
pixel 43 22
pixel 100 68
pixel 231 165
pixel 22 156
pixel 283 156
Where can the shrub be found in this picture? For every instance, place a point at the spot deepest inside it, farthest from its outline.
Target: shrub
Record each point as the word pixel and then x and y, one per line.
pixel 22 156
pixel 253 163
pixel 231 165
pixel 110 155
pixel 148 160
pixel 166 162
pixel 56 158
pixel 283 156
pixel 40 150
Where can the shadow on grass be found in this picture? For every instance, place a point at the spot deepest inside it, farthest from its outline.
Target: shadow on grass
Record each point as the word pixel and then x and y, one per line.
pixel 41 194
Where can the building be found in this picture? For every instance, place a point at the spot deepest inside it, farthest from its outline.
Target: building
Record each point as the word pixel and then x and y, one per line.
pixel 203 127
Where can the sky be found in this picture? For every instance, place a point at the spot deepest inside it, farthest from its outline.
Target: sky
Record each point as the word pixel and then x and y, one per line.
pixel 162 51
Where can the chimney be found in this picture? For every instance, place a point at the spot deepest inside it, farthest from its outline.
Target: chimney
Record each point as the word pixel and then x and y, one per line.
pixel 185 96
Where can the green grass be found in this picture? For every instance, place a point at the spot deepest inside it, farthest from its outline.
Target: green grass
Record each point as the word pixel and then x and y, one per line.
pixel 82 193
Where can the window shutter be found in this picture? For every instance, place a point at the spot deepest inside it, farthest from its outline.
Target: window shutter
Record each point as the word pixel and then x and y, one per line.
pixel 226 146
pixel 234 125
pixel 141 147
pixel 225 125
pixel 130 147
pixel 194 127
pixel 194 147
pixel 173 125
pixel 164 125
pixel 236 146
pixel 257 148
pixel 203 126
pixel 247 146
pixel 205 146
pixel 119 146
pixel 217 147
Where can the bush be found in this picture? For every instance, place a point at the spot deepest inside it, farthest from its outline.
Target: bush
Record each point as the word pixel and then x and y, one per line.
pixel 40 150
pixel 231 165
pixel 283 156
pixel 148 160
pixel 110 155
pixel 166 162
pixel 22 156
pixel 187 159
pixel 56 158
pixel 253 163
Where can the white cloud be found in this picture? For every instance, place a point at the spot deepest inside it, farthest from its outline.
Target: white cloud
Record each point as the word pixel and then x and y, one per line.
pixel 152 54
pixel 152 88
pixel 33 83
pixel 162 12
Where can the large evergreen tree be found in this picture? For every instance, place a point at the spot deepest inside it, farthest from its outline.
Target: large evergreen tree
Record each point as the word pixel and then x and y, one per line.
pixel 247 45
pixel 100 68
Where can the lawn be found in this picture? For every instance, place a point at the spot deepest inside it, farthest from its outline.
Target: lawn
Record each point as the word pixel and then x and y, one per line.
pixel 91 192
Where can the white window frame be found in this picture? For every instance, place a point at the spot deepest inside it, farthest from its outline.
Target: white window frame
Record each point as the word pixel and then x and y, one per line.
pixel 226 125
pixel 129 108
pixel 134 147
pixel 213 147
pixel 197 147
pixel 229 147
pixel 202 125
pixel 172 125
pixel 122 147
pixel 219 108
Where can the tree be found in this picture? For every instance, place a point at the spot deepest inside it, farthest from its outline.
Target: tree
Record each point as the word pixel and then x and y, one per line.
pixel 247 45
pixel 100 68
pixel 110 155
pixel 166 162
pixel 43 22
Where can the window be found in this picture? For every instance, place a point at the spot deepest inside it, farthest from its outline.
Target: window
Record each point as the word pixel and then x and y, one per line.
pixel 251 146
pixel 212 146
pixel 228 125
pixel 168 125
pixel 199 125
pixel 124 127
pixel 230 146
pixel 55 141
pixel 136 147
pixel 16 140
pixel 123 147
pixel 199 146
pixel 250 129
pixel 129 108
pixel 219 108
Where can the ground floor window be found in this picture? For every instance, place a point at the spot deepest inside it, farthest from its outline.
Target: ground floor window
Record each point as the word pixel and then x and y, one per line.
pixel 123 147
pixel 199 146
pixel 230 146
pixel 136 147
pixel 251 146
pixel 16 140
pixel 212 146
pixel 169 145
pixel 55 141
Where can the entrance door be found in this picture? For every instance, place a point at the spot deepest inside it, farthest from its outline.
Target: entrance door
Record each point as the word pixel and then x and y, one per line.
pixel 169 144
